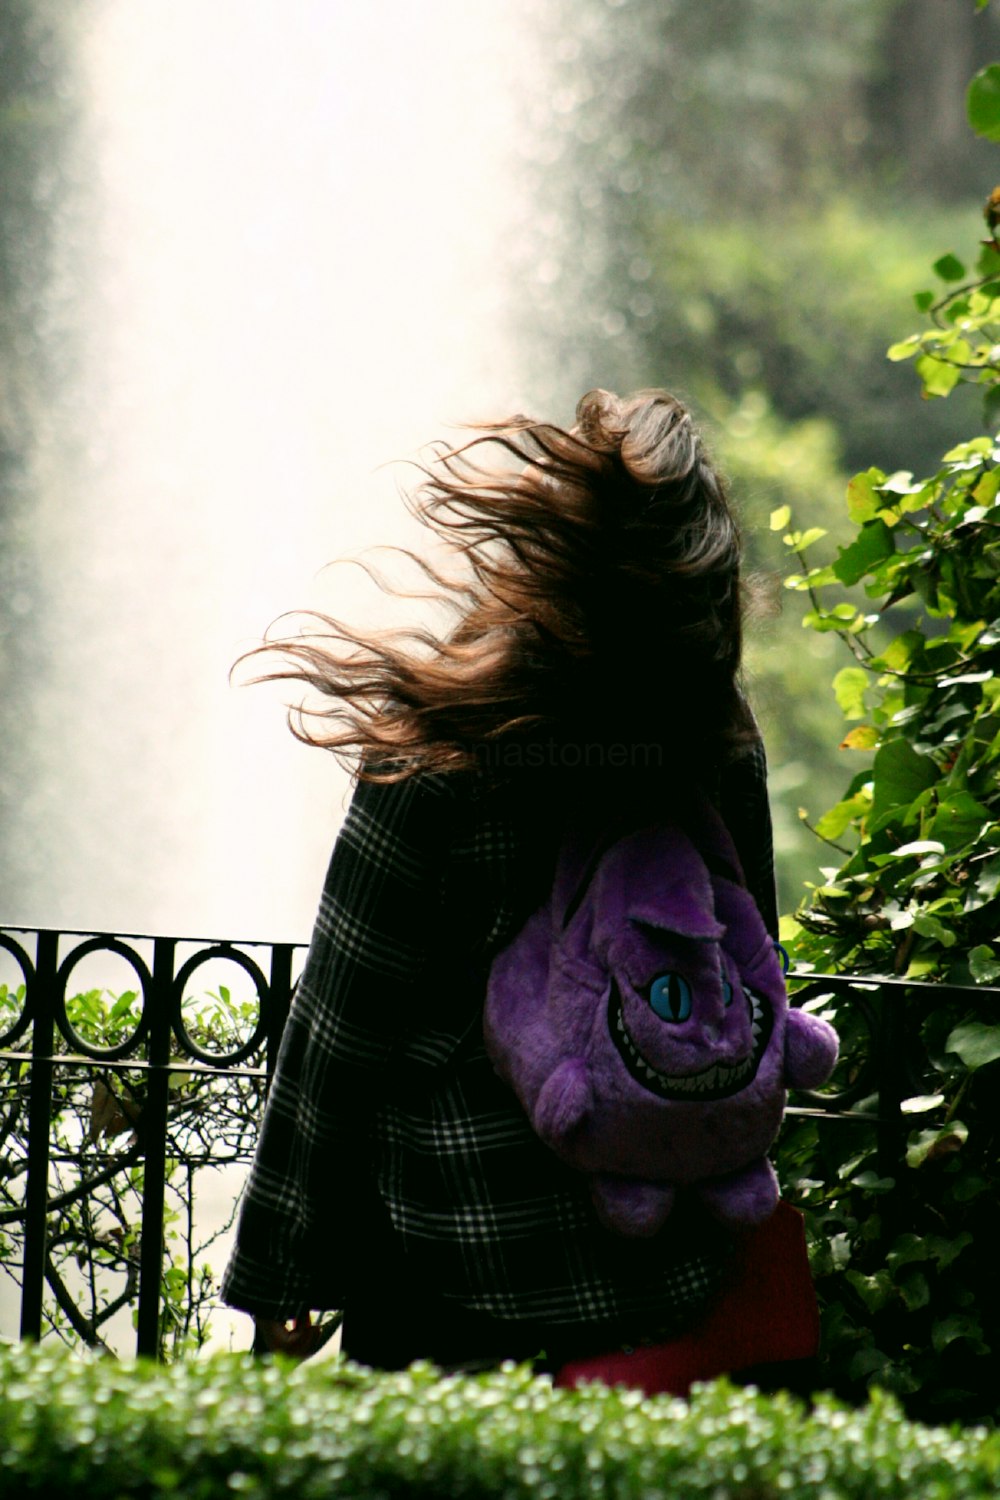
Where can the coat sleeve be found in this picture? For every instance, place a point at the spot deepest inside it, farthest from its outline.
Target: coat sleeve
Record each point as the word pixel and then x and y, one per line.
pixel 302 1217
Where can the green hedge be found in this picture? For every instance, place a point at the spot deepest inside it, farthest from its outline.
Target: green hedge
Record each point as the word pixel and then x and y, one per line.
pixel 229 1426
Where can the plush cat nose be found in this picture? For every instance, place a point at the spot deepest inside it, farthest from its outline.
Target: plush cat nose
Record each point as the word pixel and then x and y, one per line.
pixel 710 1032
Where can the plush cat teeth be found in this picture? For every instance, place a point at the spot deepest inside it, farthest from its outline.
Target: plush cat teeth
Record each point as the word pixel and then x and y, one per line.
pixel 717 1081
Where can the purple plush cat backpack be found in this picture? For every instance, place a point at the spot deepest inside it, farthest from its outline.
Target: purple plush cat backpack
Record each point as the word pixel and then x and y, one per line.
pixel 641 1018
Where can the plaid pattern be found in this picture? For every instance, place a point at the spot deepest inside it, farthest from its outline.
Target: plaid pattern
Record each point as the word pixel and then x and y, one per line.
pixel 383 1077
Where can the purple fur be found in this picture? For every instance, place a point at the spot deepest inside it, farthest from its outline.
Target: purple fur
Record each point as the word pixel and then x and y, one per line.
pixel 647 1102
pixel 810 1050
pixel 631 1206
pixel 563 1102
pixel 744 1198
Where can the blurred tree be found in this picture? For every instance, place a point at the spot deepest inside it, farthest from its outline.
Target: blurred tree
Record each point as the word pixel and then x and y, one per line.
pixel 918 133
pixel 738 206
pixel 40 119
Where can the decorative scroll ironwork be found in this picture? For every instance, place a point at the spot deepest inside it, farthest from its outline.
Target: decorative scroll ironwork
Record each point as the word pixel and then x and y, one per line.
pixel 186 1092
pixel 181 1089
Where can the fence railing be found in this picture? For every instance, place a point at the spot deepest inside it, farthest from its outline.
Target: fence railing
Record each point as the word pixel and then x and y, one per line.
pixel 42 1044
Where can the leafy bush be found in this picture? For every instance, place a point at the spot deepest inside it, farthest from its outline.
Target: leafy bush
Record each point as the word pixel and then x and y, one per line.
pixel 906 1267
pixel 227 1426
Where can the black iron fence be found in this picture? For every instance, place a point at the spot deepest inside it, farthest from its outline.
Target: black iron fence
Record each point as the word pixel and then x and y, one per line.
pixel 173 1053
pixel 153 1071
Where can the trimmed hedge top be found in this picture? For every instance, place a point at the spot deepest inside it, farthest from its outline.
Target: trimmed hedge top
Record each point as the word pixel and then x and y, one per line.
pixel 230 1426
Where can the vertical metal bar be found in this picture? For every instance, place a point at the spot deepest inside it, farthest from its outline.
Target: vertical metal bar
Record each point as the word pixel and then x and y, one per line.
pixel 280 985
pixel 891 1138
pixel 280 1000
pixel 154 1142
pixel 39 1122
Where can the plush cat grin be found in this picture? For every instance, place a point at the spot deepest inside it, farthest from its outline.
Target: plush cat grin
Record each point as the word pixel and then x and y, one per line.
pixel 716 1081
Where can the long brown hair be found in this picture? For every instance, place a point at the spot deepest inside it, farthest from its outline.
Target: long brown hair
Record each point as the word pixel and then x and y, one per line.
pixel 599 604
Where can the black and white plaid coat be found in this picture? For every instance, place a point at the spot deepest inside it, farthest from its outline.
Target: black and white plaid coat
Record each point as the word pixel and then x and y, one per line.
pixel 383 1079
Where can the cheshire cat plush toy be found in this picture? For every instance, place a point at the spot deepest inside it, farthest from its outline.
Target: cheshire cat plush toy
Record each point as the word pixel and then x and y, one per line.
pixel 641 1017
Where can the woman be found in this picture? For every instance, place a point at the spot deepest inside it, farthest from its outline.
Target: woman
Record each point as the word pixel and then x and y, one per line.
pixel 593 672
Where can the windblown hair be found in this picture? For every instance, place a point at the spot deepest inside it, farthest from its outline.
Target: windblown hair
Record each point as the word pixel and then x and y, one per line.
pixel 599 602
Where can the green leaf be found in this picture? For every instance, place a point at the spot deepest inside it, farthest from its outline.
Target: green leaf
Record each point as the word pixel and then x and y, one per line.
pixel 958 820
pixel 924 966
pixel 806 538
pixel 938 376
pixel 863 501
pixel 830 619
pixel 816 578
pixel 970 1185
pixel 869 1363
pixel 873 545
pixel 871 1182
pixel 976 1042
pixel 924 300
pixel 905 349
pixel 930 927
pixel 862 737
pixel 972 453
pixel 898 654
pixel 986 886
pixel 921 1104
pixel 123 1006
pixel 915 1290
pixel 874 1291
pixel 949 267
pixel 983 965
pixel 936 1143
pixel 849 688
pixel 781 517
pixel 833 822
pixel 918 846
pixel 987 488
pixel 988 264
pixel 959 351
pixel 901 483
pixel 958 1326
pixel 906 1249
pixel 900 775
pixel 840 1251
pixel 982 102
pixel 945 1251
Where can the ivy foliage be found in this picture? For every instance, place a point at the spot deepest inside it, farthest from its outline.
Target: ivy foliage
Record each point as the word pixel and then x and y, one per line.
pixel 905 1264
pixel 226 1426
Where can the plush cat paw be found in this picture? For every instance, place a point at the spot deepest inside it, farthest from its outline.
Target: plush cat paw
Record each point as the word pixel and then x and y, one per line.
pixel 810 1050
pixel 564 1101
pixel 747 1197
pixel 632 1207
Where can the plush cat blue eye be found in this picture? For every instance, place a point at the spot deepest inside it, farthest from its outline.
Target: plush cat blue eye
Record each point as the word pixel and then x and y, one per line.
pixel 670 997
pixel 727 991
